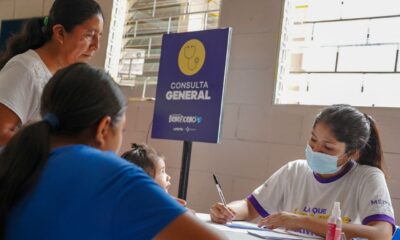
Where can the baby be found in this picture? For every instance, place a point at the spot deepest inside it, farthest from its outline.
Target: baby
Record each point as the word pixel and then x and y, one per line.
pixel 152 163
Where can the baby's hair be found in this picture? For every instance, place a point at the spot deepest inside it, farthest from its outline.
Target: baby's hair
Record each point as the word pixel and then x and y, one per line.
pixel 144 156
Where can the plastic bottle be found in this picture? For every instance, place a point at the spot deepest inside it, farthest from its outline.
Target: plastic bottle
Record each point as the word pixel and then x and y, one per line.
pixel 334 224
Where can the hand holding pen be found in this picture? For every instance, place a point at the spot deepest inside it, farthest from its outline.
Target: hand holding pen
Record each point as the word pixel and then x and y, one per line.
pixel 220 212
pixel 219 189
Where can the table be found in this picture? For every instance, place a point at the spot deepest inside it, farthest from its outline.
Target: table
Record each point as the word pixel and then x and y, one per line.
pixel 242 234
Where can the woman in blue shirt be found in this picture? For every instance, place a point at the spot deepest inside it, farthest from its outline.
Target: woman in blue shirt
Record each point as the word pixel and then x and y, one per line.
pixel 61 179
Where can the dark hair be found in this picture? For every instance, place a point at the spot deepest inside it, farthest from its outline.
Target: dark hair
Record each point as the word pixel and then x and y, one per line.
pixel 144 156
pixel 78 97
pixel 37 31
pixel 357 130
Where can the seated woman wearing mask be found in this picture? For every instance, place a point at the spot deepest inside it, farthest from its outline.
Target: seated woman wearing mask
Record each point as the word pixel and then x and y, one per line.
pixel 344 163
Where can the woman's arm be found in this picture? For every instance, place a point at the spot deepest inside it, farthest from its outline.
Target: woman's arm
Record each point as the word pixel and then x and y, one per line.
pixel 237 210
pixel 187 226
pixel 9 122
pixel 377 230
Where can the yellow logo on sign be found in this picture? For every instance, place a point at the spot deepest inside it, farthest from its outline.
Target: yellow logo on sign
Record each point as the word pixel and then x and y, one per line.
pixel 191 57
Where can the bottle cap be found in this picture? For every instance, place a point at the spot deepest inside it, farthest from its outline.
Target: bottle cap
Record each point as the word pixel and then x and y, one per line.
pixel 336 209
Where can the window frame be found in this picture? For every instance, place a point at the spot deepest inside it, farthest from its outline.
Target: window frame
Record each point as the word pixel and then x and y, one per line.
pixel 143 78
pixel 367 77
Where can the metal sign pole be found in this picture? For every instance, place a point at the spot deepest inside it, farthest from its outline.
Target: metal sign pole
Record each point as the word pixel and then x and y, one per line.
pixel 185 167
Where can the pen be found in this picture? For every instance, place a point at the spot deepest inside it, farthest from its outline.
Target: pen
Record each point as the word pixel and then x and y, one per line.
pixel 219 189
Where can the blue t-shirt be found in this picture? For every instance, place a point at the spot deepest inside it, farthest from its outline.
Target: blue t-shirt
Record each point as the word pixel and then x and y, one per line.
pixel 84 193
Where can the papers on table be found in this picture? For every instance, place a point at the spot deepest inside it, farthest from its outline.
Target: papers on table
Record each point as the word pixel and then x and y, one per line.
pixel 245 225
pixel 270 235
pixel 242 228
pixel 280 234
pixel 265 233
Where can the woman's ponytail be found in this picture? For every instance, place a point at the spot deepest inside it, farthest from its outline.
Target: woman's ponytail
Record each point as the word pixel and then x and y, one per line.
pixel 33 35
pixel 372 154
pixel 20 169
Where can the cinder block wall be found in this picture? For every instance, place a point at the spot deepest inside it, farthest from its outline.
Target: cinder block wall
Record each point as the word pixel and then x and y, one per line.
pixel 257 136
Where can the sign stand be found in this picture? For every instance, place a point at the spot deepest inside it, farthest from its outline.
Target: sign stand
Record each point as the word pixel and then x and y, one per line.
pixel 190 89
pixel 184 176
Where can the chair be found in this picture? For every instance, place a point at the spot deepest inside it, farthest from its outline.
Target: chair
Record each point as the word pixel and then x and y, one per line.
pixel 396 234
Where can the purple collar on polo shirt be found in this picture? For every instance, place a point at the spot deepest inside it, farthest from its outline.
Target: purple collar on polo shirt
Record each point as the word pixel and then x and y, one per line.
pixel 345 170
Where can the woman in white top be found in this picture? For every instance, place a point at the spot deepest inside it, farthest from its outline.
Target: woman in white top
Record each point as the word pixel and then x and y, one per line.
pixel 69 34
pixel 344 163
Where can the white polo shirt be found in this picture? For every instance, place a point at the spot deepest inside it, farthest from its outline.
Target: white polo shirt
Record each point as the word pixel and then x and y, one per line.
pixel 22 81
pixel 360 189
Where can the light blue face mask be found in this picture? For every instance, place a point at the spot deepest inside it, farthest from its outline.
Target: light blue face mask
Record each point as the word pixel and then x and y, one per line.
pixel 320 162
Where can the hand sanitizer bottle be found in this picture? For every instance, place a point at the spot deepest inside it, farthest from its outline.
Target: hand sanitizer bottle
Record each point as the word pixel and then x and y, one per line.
pixel 334 224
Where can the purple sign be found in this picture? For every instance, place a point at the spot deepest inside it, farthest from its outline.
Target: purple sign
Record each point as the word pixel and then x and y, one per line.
pixel 190 86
